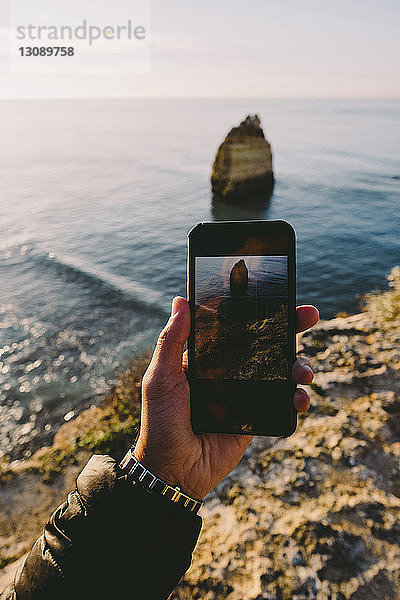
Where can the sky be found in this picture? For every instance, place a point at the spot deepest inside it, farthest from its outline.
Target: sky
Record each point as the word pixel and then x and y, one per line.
pixel 238 49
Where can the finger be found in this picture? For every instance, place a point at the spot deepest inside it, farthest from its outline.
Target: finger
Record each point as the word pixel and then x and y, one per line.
pixel 302 371
pixel 169 349
pixel 301 400
pixel 306 316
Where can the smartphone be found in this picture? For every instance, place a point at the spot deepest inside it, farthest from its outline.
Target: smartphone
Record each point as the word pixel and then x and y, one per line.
pixel 242 343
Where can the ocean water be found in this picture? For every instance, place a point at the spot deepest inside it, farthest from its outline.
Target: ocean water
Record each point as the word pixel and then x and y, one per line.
pixel 96 199
pixel 267 276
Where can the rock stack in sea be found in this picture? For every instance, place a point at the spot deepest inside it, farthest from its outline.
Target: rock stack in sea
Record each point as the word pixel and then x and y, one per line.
pixel 239 278
pixel 242 170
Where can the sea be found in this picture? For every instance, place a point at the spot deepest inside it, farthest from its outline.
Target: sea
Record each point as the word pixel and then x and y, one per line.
pixel 97 196
pixel 267 276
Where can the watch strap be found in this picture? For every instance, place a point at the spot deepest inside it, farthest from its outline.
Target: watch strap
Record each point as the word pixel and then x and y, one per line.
pixel 142 476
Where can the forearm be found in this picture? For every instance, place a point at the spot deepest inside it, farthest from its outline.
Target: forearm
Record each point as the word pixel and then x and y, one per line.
pixel 110 537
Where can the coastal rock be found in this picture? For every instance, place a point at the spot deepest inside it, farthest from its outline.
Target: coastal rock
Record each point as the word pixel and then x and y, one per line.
pixel 242 170
pixel 239 278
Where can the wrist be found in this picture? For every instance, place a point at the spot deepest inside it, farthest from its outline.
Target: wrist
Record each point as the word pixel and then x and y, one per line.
pixel 141 475
pixel 164 472
pixel 142 454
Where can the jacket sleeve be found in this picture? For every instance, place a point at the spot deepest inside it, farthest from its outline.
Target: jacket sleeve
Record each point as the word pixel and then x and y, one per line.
pixel 110 539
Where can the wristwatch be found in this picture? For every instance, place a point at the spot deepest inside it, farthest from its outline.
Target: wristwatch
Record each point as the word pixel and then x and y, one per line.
pixel 150 482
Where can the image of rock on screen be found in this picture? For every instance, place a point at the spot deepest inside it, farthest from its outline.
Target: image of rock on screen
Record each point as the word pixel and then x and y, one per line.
pixel 241 323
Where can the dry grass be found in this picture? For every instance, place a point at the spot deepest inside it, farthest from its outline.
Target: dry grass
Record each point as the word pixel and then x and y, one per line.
pixel 384 307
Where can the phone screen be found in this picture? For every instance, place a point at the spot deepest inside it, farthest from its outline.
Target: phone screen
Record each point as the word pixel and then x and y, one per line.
pixel 241 322
pixel 242 292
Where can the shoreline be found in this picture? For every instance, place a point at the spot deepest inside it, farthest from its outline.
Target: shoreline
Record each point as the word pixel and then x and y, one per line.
pixel 32 435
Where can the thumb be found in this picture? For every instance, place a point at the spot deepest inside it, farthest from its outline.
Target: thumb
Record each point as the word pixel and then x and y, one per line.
pixel 169 349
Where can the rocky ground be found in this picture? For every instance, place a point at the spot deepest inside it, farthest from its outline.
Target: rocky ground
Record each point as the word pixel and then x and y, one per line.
pixel 314 516
pixel 317 516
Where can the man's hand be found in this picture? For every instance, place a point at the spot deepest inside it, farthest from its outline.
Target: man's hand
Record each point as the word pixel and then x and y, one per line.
pixel 167 445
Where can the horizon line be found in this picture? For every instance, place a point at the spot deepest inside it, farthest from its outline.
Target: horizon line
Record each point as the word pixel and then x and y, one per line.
pixel 230 98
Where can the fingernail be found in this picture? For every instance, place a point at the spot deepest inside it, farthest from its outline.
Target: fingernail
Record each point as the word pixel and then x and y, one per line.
pixel 175 306
pixel 309 370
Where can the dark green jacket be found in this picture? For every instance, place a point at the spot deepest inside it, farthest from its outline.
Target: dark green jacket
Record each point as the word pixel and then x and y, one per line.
pixel 110 539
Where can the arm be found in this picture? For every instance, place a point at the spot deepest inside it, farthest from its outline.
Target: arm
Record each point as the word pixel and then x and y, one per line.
pixel 109 538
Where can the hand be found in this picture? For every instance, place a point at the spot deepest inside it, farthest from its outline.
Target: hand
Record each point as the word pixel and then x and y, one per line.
pixel 167 445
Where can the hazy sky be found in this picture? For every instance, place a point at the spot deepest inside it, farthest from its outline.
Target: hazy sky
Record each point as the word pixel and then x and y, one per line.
pixel 258 48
